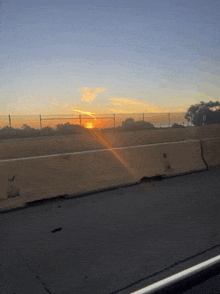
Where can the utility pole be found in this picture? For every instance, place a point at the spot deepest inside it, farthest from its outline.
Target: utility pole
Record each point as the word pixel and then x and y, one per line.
pixel 114 120
pixel 9 117
pixel 40 122
pixel 169 119
pixel 143 116
pixel 80 119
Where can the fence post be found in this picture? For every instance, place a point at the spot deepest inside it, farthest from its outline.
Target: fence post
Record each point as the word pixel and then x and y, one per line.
pixel 40 122
pixel 9 117
pixel 80 119
pixel 169 119
pixel 114 120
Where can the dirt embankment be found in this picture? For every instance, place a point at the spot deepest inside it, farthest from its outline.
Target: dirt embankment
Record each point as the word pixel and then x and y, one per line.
pixel 162 135
pixel 25 147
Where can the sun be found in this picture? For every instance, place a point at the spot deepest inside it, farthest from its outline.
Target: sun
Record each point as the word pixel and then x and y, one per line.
pixel 89 125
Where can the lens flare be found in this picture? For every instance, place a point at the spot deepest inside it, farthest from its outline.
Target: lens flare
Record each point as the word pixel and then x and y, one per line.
pixel 129 169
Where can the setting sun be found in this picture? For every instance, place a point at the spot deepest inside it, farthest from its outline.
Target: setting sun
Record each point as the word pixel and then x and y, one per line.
pixel 89 125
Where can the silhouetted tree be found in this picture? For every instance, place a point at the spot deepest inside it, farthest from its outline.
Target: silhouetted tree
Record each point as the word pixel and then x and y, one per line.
pixel 27 129
pixel 127 122
pixel 68 128
pixel 176 126
pixel 195 113
pixel 131 125
pixel 47 131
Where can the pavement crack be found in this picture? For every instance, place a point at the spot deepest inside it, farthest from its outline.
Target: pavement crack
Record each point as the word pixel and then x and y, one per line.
pixel 45 287
pixel 30 269
pixel 202 155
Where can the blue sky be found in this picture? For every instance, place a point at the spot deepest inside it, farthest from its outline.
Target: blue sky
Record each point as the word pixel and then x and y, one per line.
pixel 108 56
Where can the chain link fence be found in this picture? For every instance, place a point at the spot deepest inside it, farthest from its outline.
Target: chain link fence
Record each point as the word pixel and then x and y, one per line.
pixel 162 120
pixel 4 121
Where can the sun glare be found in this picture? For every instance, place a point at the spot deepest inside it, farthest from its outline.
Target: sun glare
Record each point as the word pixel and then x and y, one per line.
pixel 89 125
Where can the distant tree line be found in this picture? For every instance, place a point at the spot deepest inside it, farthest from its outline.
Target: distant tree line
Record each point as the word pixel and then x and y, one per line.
pixel 204 113
pixel 131 125
pixel 27 131
pixel 198 114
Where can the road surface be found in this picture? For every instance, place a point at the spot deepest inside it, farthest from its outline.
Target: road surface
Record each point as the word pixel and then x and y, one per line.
pixel 111 242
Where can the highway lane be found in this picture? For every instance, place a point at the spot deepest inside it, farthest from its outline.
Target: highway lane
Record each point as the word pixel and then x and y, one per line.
pixel 112 242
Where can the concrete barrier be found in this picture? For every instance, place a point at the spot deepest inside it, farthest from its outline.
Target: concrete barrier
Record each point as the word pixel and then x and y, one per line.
pixel 46 177
pixel 211 151
pixel 8 184
pixel 3 185
pixel 163 159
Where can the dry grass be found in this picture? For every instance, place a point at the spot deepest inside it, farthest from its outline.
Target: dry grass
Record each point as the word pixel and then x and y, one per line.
pixel 23 147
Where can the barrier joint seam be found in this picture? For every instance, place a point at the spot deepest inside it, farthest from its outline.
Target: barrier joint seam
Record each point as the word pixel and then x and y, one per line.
pixel 202 155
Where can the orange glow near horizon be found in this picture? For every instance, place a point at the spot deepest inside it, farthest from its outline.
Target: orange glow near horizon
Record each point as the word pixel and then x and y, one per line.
pixel 89 125
pixel 92 120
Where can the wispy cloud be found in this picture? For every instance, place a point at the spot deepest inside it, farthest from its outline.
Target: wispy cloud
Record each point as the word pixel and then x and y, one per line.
pixel 127 105
pixel 210 90
pixel 85 112
pixel 59 106
pixel 64 106
pixel 89 94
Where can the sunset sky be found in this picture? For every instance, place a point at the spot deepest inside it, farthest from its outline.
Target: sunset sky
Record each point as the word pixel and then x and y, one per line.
pixel 115 56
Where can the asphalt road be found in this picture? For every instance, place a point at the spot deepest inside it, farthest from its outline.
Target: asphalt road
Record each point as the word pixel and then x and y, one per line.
pixel 112 242
pixel 209 286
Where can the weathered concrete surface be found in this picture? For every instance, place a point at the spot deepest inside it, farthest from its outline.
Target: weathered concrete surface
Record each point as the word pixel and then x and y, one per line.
pixel 110 240
pixel 82 172
pixel 211 151
pixel 163 159
pixel 3 185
